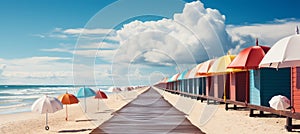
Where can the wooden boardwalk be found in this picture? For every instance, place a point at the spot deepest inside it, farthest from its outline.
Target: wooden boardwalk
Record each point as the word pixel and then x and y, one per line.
pixel 149 113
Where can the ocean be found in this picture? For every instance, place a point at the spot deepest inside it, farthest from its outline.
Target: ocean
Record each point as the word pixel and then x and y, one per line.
pixel 19 98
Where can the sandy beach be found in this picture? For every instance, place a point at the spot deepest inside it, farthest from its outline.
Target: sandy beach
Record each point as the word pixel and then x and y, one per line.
pixel 214 119
pixel 78 121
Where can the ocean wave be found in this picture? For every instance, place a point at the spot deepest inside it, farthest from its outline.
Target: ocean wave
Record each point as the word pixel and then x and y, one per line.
pixel 56 88
pixel 14 106
pixel 20 97
pixel 10 101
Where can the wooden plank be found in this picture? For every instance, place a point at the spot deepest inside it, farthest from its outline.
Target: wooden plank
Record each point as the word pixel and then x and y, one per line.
pixel 148 113
pixel 278 112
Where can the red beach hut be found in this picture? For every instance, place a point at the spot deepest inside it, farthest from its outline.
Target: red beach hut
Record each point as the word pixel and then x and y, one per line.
pixel 248 58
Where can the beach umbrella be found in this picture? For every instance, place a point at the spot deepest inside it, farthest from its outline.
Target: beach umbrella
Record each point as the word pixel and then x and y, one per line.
pixel 279 102
pixel 249 58
pixel 85 92
pixel 128 88
pixel 114 89
pixel 204 68
pixel 68 99
pixel 100 95
pixel 174 77
pixel 182 75
pixel 164 80
pixel 193 72
pixel 220 65
pixel 284 53
pixel 46 105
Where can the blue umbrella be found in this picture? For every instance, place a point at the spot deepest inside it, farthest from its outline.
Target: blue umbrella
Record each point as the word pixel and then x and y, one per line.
pixel 85 92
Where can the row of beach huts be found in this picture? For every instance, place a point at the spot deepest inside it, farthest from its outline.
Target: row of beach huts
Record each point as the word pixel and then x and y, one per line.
pixel 248 80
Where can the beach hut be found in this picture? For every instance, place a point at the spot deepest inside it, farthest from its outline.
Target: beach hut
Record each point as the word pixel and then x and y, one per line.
pixel 163 83
pixel 183 82
pixel 190 82
pixel 205 78
pixel 170 84
pixel 285 54
pixel 220 76
pixel 199 81
pixel 268 82
pixel 249 58
pixel 173 84
pixel 239 85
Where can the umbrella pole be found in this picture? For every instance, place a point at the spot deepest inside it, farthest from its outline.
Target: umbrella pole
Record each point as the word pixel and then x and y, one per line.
pixel 98 105
pixel 84 104
pixel 46 118
pixel 47 127
pixel 66 112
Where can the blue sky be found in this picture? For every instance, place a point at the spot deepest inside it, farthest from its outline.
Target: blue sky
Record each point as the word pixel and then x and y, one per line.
pixel 27 18
pixel 37 31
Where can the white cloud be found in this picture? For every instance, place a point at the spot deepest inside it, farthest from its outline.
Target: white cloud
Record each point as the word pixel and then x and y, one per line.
pixel 267 34
pixel 99 45
pixel 191 36
pixel 37 60
pixel 89 34
pixel 37 70
pixel 53 70
pixel 56 50
pixel 60 36
pixel 88 31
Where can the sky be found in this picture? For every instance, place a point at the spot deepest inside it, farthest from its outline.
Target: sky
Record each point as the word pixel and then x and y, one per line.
pixel 130 42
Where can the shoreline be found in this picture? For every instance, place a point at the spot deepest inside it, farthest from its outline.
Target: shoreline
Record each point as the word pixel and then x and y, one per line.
pixel 78 121
pixel 206 117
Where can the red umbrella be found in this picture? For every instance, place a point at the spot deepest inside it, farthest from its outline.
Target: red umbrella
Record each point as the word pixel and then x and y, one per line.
pixel 100 95
pixel 250 57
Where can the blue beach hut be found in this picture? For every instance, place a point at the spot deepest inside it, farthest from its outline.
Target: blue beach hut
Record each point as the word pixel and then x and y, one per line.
pixel 183 82
pixel 268 82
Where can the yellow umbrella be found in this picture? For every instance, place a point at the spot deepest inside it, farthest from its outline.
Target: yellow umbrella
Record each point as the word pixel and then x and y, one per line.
pixel 220 67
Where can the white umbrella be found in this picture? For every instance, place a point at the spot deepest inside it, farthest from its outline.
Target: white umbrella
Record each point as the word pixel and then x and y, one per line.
pixel 284 53
pixel 114 89
pixel 279 102
pixel 46 105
